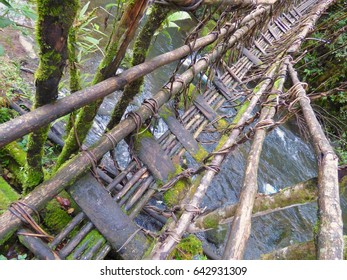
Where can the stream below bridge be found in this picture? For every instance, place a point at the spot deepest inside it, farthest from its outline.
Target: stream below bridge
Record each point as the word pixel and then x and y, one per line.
pixel 286 159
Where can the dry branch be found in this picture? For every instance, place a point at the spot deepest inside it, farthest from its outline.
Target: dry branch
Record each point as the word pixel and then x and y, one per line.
pixel 330 236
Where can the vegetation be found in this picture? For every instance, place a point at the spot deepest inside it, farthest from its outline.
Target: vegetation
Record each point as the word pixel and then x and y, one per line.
pixel 324 68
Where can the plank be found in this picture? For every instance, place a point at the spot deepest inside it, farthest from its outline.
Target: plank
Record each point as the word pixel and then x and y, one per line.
pixel 252 57
pixel 108 217
pixel 205 108
pixel 154 157
pixel 273 32
pixel 182 134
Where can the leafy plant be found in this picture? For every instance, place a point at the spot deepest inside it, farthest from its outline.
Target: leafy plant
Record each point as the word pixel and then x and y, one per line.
pixel 170 22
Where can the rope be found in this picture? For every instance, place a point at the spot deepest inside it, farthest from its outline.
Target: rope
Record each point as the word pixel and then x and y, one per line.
pixel 17 209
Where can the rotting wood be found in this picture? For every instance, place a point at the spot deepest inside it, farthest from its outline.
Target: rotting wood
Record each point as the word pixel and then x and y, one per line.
pixel 241 226
pixel 330 233
pixel 122 233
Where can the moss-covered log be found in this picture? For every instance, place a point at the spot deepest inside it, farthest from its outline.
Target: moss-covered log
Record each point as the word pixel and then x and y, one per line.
pixel 54 21
pixel 299 251
pixel 298 194
pixel 143 41
pixel 123 33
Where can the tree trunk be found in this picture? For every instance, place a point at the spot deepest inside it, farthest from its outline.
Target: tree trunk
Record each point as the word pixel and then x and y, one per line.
pixel 330 233
pixel 143 41
pixel 123 33
pixel 54 21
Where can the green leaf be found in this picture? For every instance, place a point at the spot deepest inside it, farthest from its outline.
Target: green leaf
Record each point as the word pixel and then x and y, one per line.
pixel 6 3
pixel 2 50
pixel 91 40
pixel 5 22
pixel 29 13
pixel 84 9
pixel 179 16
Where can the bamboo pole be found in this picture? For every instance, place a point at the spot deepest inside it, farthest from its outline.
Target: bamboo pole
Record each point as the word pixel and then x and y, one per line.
pixel 163 248
pixel 42 116
pixel 303 192
pixel 300 251
pixel 241 226
pixel 330 233
pixel 77 166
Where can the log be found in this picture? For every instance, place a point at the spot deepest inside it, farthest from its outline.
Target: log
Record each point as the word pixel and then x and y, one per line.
pixel 35 244
pixel 330 232
pixel 303 192
pixel 241 226
pixel 76 167
pixel 300 251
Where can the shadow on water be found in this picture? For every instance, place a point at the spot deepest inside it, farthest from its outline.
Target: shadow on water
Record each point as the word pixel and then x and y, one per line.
pixel 286 160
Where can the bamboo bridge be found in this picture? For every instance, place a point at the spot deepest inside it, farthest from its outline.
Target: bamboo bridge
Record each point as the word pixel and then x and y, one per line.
pixel 253 91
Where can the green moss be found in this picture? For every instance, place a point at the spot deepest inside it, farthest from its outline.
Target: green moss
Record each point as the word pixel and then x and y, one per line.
pixel 221 142
pixel 48 65
pixel 188 248
pixel 210 222
pixel 177 193
pixel 91 238
pixel 54 217
pixel 222 124
pixel 201 154
pixel 16 152
pixel 7 195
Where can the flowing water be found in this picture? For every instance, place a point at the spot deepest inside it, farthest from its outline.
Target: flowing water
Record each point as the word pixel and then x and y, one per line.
pixel 286 160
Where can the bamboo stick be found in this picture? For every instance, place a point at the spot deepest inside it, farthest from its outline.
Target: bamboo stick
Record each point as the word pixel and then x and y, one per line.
pixel 330 233
pixel 163 248
pixel 241 226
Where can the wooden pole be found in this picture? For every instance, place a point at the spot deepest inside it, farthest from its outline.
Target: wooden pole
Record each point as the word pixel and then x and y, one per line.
pixel 330 233
pixel 241 226
pixel 77 166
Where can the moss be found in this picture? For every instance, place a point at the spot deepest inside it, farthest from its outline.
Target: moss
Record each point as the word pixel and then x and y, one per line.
pixel 54 217
pixel 222 124
pixel 91 238
pixel 210 222
pixel 7 195
pixel 16 152
pixel 188 248
pixel 221 142
pixel 143 133
pixel 176 193
pixel 201 154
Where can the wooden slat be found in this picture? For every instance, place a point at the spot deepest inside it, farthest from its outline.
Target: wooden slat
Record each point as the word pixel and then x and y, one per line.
pixel 108 217
pixel 273 32
pixel 205 108
pixel 155 158
pixel 221 87
pixel 183 135
pixel 252 57
pixel 259 47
